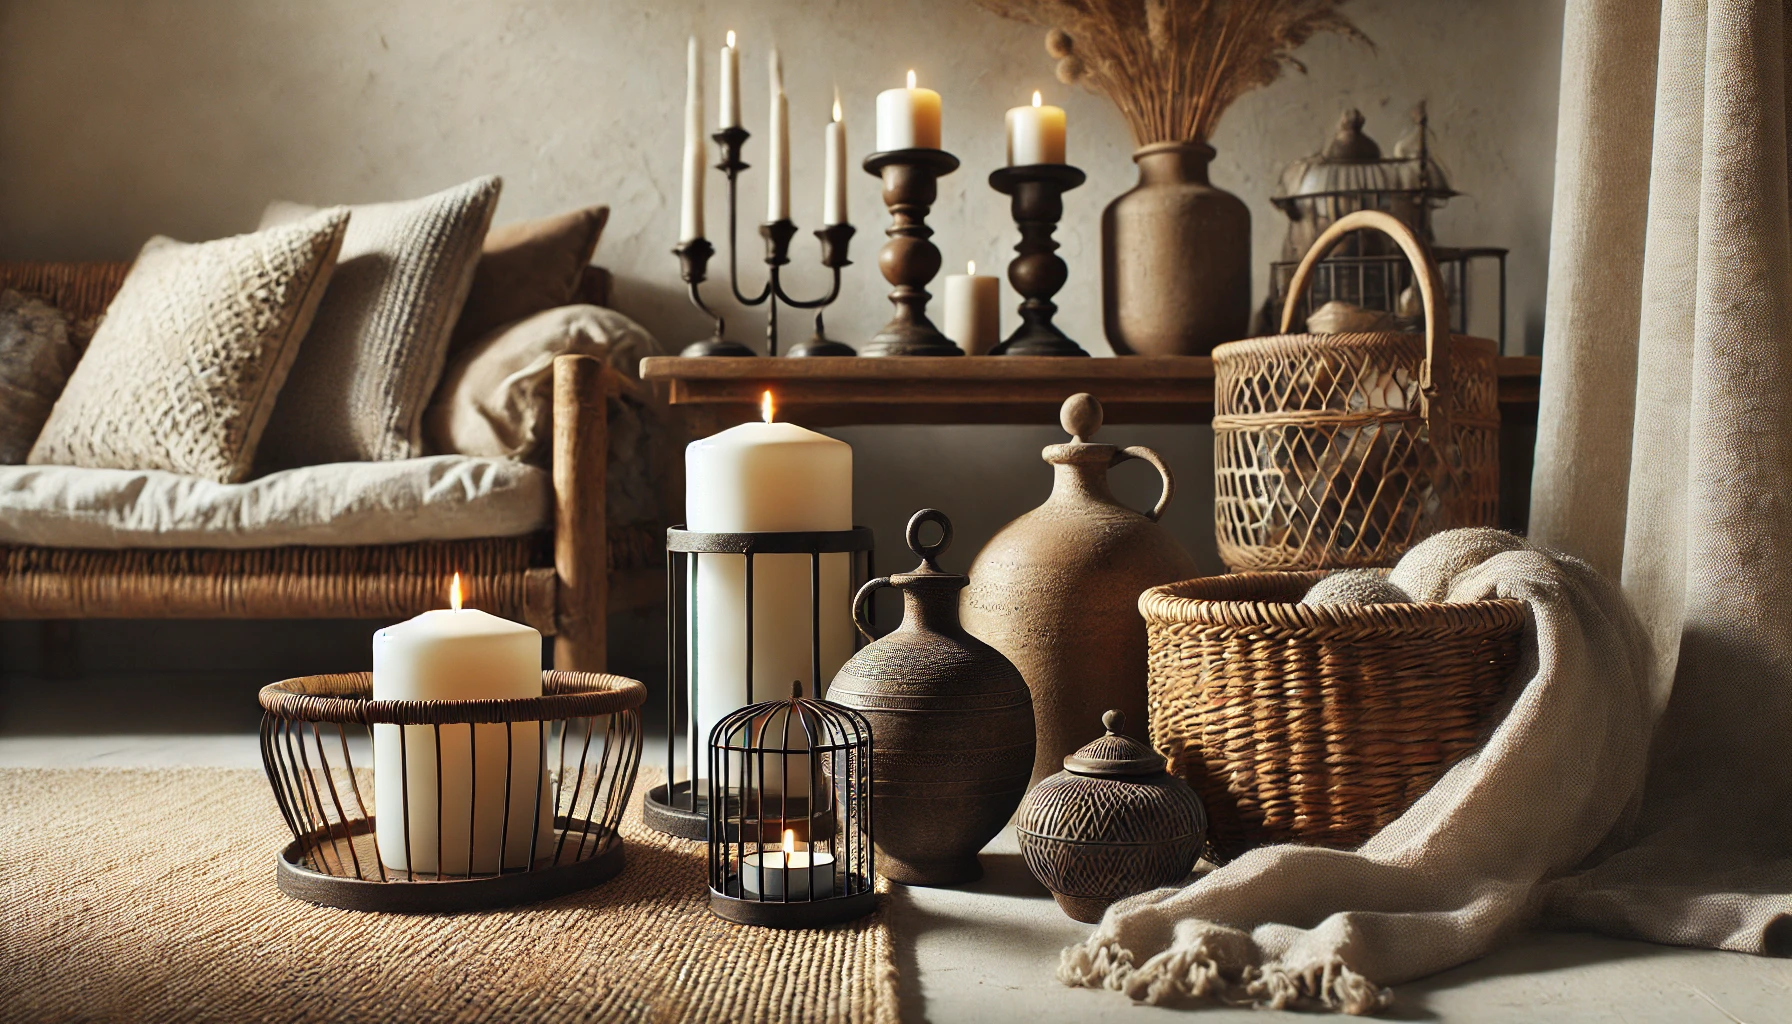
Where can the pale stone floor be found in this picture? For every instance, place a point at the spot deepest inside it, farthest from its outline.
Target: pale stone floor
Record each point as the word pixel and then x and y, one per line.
pixel 985 952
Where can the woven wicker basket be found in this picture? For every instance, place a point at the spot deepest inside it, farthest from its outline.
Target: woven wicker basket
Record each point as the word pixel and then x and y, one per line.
pixel 1325 445
pixel 1317 724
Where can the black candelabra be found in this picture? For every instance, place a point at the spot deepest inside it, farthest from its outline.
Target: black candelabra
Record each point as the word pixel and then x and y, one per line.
pixel 694 256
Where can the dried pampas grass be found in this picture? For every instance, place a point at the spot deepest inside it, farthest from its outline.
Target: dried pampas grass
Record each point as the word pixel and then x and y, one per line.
pixel 1174 66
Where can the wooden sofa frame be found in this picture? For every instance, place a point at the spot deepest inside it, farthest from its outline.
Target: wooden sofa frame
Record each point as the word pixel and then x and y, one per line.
pixel 557 582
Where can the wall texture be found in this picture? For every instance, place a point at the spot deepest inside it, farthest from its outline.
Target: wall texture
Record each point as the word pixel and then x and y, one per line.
pixel 120 119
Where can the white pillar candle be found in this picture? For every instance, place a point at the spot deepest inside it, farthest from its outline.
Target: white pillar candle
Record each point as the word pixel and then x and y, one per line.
pixel 777 200
pixel 973 310
pixel 908 118
pixel 458 654
pixel 833 196
pixel 690 211
pixel 1035 134
pixel 786 873
pixel 730 78
pixel 766 477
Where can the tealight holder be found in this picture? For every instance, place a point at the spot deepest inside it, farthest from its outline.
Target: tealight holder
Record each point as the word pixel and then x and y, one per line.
pixel 579 745
pixel 1036 194
pixel 694 257
pixel 681 805
pixel 909 260
pixel 790 829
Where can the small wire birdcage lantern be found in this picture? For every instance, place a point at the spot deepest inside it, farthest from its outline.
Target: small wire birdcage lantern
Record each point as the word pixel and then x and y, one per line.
pixel 522 802
pixel 790 829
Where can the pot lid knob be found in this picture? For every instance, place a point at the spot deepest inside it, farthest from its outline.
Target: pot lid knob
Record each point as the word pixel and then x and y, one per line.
pixel 1115 755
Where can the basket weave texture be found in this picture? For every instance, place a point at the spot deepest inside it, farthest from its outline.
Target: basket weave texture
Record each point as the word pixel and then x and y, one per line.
pixel 1317 724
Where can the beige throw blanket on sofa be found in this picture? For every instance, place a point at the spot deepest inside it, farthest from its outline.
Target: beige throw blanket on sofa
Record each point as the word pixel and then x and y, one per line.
pixel 1292 926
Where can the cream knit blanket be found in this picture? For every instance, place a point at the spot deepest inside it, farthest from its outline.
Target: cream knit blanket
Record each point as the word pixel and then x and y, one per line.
pixel 1303 927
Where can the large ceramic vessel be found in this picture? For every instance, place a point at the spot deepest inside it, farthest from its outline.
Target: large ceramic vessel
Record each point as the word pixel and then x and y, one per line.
pixel 1175 258
pixel 1057 590
pixel 951 725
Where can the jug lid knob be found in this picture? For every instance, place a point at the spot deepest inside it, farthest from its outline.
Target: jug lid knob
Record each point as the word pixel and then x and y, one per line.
pixel 1080 416
pixel 929 552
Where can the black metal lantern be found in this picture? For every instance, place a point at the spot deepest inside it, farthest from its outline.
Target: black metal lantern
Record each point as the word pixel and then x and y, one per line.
pixel 789 799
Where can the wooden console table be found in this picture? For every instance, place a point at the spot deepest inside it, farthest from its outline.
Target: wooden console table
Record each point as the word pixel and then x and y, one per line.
pixel 717 393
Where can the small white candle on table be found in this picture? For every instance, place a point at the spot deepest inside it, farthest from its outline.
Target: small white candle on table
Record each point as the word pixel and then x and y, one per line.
pixel 730 79
pixel 787 873
pixel 973 313
pixel 755 478
pixel 458 654
pixel 690 211
pixel 833 196
pixel 777 202
pixel 1035 134
pixel 908 118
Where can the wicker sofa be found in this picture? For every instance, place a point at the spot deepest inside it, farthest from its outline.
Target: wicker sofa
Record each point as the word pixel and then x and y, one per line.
pixel 558 581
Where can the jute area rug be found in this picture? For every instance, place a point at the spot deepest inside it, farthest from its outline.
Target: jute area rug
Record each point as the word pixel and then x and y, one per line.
pixel 139 895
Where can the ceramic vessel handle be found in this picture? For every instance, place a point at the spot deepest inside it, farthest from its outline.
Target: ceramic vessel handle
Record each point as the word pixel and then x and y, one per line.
pixel 861 605
pixel 1163 470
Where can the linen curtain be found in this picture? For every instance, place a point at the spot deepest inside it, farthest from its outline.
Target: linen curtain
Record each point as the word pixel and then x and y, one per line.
pixel 1664 452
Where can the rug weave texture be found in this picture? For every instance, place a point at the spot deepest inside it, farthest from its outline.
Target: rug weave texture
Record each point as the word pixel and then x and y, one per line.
pixel 149 895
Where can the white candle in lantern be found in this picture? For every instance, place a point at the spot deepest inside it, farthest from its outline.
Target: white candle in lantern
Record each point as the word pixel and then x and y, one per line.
pixel 690 211
pixel 730 78
pixel 833 196
pixel 766 477
pixel 458 654
pixel 786 873
pixel 777 201
pixel 973 310
pixel 908 118
pixel 1035 134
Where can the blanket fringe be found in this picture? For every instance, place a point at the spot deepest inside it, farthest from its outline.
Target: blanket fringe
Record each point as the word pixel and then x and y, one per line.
pixel 1218 966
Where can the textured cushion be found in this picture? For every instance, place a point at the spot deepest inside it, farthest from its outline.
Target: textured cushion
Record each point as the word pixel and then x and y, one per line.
pixel 447 497
pixel 497 400
pixel 527 268
pixel 184 372
pixel 36 358
pixel 375 353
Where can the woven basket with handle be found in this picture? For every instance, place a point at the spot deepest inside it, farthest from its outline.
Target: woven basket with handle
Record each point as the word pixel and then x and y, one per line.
pixel 1317 724
pixel 1335 450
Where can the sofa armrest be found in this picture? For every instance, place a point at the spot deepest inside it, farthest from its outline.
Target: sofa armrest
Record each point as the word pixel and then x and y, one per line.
pixel 582 389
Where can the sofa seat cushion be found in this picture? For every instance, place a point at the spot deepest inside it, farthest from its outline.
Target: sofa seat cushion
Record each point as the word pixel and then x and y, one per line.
pixel 443 497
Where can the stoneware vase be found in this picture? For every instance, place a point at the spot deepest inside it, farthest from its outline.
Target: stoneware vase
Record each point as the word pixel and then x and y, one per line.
pixel 1057 590
pixel 951 725
pixel 1175 258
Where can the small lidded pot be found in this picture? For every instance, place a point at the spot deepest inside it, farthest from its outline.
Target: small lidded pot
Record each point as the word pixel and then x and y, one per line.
pixel 1113 823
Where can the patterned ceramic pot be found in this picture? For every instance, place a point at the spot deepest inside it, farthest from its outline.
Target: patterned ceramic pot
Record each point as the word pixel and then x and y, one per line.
pixel 1111 824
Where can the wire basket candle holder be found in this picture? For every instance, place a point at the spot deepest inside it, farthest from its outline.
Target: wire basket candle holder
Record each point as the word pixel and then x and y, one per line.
pixel 579 746
pixel 680 806
pixel 790 814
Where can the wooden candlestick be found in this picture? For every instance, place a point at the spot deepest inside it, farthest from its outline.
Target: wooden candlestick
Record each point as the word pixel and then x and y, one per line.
pixel 1037 194
pixel 909 259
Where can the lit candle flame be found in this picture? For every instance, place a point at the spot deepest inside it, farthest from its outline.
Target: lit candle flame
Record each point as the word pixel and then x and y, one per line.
pixel 911 78
pixel 765 407
pixel 731 39
pixel 836 103
pixel 970 268
pixel 789 842
pixel 1036 100
pixel 454 592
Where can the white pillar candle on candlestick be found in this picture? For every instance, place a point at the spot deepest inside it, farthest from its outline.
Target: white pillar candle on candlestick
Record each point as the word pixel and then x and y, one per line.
pixel 833 196
pixel 1035 134
pixel 908 118
pixel 777 201
pixel 766 477
pixel 690 211
pixel 730 78
pixel 458 654
pixel 973 310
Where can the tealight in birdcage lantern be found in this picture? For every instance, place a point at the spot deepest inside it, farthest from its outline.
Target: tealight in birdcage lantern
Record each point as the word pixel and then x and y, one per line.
pixel 790 834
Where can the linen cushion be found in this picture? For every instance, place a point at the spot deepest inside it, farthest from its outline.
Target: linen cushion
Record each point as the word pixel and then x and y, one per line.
pixel 526 268
pixel 183 373
pixel 36 358
pixel 447 497
pixel 375 352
